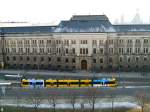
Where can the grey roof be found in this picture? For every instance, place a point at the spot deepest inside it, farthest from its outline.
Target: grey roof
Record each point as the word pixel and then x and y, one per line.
pixel 28 29
pixel 89 17
pixel 80 23
pixel 96 23
pixel 132 28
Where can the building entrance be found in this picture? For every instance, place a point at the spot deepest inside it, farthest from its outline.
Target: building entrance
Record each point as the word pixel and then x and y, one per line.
pixel 83 65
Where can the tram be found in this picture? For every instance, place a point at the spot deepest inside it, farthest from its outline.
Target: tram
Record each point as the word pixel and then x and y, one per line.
pixel 53 83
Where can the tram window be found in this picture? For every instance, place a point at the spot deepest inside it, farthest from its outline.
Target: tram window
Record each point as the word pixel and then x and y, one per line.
pixel 39 83
pixel 105 83
pixel 62 83
pixel 85 82
pixel 97 82
pixel 48 83
pixel 31 83
pixel 55 83
pixel 74 82
pixel 25 83
pixel 112 82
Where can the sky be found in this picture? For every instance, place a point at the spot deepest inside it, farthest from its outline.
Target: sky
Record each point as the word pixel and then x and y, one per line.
pixel 53 11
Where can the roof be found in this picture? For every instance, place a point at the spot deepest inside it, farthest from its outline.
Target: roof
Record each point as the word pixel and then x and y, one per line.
pixel 87 23
pixel 132 28
pixel 28 29
pixel 89 17
pixel 80 23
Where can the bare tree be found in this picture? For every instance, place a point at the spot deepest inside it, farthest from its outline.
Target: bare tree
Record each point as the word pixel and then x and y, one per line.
pixel 35 98
pixel 142 99
pixel 83 100
pixel 52 100
pixel 18 98
pixel 72 98
pixel 112 97
pixel 92 96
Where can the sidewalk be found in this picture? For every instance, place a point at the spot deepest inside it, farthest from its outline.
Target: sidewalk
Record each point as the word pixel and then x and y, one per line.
pixel 77 73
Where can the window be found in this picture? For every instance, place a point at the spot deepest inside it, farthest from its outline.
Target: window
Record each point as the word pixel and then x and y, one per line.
pixel 58 50
pixel 7 58
pixel 58 59
pixel 120 41
pixel 41 41
pixel 110 41
pixel 120 59
pixel 83 50
pixel 27 50
pixel 13 50
pixel 129 50
pixel 101 60
pixel 34 41
pixel 41 50
pixel 137 50
pixel 121 50
pixel 20 42
pixel 49 59
pixel 86 50
pixel 137 59
pixel 129 41
pixel 42 59
pixel 110 60
pixel 73 60
pixel 94 50
pixel 7 50
pixel 94 60
pixel 129 59
pixel 66 50
pixel 26 42
pixel 28 58
pixel 111 50
pixel 34 50
pixel 94 42
pixel 34 58
pixel 83 42
pixel 101 67
pixel 21 58
pixel 80 50
pixel 14 58
pixel 128 66
pixel 137 41
pixel 20 50
pixel 73 41
pixel 49 41
pixel 145 41
pixel 48 50
pixel 145 58
pixel 101 51
pixel 66 42
pixel 67 60
pixel 100 41
pixel 73 50
pixel 145 50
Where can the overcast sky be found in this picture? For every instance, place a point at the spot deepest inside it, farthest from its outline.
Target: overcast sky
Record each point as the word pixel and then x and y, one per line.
pixel 53 11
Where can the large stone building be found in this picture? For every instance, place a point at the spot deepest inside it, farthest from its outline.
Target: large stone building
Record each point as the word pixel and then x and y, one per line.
pixel 83 43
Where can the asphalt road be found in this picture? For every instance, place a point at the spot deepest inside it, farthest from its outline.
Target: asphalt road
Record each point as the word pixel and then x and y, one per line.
pixel 129 84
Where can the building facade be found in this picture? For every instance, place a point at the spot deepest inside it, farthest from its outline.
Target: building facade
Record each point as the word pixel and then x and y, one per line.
pixel 83 43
